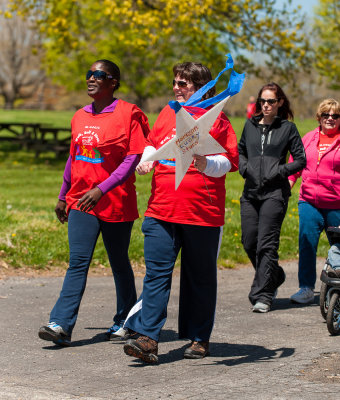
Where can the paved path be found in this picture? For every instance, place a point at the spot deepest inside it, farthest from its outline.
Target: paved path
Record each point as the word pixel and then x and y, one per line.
pixel 253 356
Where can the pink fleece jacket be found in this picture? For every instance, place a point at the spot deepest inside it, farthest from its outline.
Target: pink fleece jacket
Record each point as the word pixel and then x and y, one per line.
pixel 320 180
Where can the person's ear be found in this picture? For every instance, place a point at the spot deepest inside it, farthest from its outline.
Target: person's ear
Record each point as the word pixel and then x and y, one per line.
pixel 114 84
pixel 281 102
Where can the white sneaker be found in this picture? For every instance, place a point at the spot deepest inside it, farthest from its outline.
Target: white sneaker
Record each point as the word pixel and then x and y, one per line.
pixel 121 334
pixel 116 332
pixel 261 307
pixel 55 333
pixel 304 296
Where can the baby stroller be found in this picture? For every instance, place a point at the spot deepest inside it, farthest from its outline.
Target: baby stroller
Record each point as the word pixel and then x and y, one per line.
pixel 330 286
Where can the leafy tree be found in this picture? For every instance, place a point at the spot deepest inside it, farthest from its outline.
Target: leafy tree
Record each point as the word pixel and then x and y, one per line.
pixel 20 72
pixel 327 30
pixel 146 37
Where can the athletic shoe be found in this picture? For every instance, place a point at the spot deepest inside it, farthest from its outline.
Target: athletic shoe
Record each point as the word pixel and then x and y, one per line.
pixel 197 350
pixel 56 334
pixel 117 333
pixel 261 307
pixel 304 296
pixel 144 348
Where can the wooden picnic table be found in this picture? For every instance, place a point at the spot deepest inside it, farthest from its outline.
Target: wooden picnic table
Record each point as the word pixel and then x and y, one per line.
pixel 37 136
pixel 22 131
pixel 59 145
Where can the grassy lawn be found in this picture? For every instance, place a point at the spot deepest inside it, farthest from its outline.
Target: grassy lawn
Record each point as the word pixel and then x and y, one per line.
pixel 30 234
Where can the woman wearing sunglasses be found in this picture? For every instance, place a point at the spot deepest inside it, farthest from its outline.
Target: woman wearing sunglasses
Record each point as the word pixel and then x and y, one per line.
pixel 319 201
pixel 189 219
pixel 266 140
pixel 98 196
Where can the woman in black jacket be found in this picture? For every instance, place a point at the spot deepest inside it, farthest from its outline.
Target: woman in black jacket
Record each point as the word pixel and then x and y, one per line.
pixel 265 142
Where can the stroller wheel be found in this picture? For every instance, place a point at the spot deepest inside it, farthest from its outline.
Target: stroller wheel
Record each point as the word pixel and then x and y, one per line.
pixel 333 314
pixel 324 300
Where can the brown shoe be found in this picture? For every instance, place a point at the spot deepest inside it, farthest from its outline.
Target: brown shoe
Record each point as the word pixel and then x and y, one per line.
pixel 144 348
pixel 197 350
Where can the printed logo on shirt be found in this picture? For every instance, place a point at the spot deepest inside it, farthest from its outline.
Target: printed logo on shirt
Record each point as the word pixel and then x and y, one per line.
pixel 171 162
pixel 323 148
pixel 86 146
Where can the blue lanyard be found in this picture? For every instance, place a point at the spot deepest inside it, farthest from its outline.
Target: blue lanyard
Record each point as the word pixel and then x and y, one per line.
pixel 234 86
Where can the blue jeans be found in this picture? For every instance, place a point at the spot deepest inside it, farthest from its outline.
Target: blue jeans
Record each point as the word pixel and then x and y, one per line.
pixel 198 287
pixel 83 232
pixel 312 222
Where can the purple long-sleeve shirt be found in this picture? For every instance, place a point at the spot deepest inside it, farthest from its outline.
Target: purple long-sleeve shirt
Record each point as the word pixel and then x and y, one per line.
pixel 118 176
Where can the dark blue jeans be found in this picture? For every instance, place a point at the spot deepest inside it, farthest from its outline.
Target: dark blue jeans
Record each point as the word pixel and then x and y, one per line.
pixel 198 287
pixel 312 222
pixel 83 232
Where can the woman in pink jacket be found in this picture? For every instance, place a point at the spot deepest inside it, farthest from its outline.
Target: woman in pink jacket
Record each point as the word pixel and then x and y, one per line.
pixel 319 201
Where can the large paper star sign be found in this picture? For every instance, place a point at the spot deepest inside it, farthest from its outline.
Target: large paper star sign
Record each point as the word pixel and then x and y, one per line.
pixel 192 137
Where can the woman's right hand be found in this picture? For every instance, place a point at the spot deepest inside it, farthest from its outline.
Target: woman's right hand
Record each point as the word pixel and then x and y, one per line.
pixel 144 167
pixel 60 210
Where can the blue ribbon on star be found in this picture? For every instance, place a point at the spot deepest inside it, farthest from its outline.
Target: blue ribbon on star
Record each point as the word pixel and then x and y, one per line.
pixel 234 86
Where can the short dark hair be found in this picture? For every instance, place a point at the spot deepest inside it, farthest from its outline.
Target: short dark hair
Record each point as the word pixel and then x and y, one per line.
pixel 113 69
pixel 196 73
pixel 285 111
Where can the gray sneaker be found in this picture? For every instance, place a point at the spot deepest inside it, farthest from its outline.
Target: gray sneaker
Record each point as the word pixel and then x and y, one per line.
pixel 55 333
pixel 304 296
pixel 261 307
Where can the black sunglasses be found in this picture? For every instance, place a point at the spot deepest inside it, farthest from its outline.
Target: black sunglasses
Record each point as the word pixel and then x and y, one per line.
pixel 180 84
pixel 98 75
pixel 269 101
pixel 333 116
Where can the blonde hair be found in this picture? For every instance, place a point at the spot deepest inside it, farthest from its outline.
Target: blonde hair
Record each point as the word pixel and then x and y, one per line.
pixel 325 106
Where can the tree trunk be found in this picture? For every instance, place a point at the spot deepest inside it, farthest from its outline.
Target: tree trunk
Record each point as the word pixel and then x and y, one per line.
pixel 142 102
pixel 9 104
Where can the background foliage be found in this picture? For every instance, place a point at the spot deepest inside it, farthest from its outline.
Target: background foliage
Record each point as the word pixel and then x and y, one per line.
pixel 146 37
pixel 327 33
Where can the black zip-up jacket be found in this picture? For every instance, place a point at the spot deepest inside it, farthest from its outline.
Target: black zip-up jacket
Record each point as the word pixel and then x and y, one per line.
pixel 263 158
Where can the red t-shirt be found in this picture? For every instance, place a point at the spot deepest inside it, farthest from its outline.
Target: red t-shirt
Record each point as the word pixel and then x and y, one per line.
pixel 199 199
pixel 325 142
pixel 251 107
pixel 98 145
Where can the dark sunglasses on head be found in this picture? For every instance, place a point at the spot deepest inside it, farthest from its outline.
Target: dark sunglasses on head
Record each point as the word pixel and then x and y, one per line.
pixel 333 116
pixel 180 84
pixel 269 101
pixel 98 75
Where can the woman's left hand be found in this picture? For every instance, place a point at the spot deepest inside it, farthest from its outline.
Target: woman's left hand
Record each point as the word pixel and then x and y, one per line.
pixel 89 200
pixel 200 162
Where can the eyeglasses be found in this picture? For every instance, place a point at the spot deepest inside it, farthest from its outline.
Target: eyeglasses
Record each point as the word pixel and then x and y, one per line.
pixel 180 84
pixel 98 75
pixel 333 116
pixel 269 101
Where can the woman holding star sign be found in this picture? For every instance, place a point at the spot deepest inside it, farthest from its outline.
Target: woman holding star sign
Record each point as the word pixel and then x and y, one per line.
pixel 189 219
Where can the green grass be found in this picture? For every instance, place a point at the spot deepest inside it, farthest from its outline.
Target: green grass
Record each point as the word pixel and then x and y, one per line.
pixel 53 118
pixel 30 234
